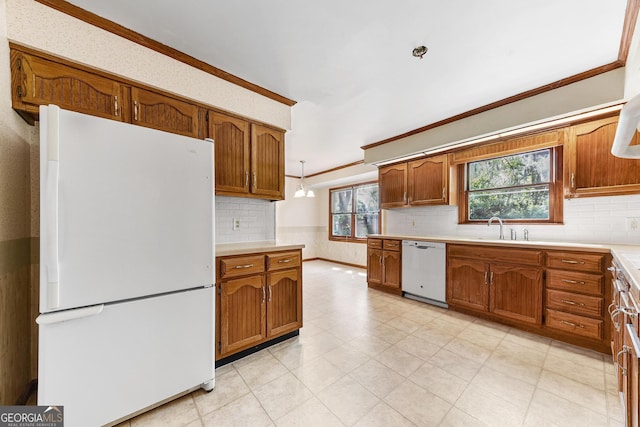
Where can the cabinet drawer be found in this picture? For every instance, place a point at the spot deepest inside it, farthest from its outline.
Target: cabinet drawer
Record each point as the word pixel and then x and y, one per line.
pixel 575 303
pixel 240 266
pixel 278 261
pixel 579 325
pixel 374 243
pixel 391 245
pixel 488 253
pixel 578 261
pixel 575 282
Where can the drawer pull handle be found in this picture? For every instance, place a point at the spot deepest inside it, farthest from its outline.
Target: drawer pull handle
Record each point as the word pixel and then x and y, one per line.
pixel 572 324
pixel 566 301
pixel 614 314
pixel 625 350
pixel 284 261
pixel 611 308
pixel 239 267
pixel 573 282
pixel 571 261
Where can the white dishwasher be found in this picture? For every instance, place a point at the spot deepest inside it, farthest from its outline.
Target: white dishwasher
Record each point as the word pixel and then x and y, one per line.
pixel 424 271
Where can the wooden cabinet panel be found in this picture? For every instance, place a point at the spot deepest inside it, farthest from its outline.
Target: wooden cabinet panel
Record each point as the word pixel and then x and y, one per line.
pixel 374 243
pixel 241 266
pixel 492 253
pixel 284 302
pixel 231 136
pixel 570 302
pixel 574 281
pixel 282 260
pixel 393 189
pixel 576 325
pixel 592 170
pixel 427 180
pixel 161 112
pixel 37 81
pixel 516 292
pixel 267 162
pixel 630 366
pixel 391 245
pixel 578 261
pixel 243 308
pixel 392 269
pixel 374 266
pixel 467 283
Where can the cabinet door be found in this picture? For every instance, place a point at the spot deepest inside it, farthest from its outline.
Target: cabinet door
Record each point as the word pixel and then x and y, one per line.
pixel 428 181
pixel 267 162
pixel 392 181
pixel 374 266
pixel 627 359
pixel 467 284
pixel 592 170
pixel 284 302
pixel 161 112
pixel 516 292
pixel 242 313
pixel 37 81
pixel 231 136
pixel 391 269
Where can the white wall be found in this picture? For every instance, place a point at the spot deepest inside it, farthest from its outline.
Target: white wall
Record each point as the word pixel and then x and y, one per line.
pixel 632 69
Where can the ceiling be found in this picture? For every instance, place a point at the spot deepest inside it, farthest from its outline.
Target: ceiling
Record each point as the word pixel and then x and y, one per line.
pixel 349 66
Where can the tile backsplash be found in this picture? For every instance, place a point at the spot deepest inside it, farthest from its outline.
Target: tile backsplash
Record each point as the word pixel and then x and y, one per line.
pixel 257 219
pixel 589 219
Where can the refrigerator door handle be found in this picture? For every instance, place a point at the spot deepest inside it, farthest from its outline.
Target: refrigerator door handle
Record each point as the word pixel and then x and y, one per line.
pixel 51 208
pixel 61 316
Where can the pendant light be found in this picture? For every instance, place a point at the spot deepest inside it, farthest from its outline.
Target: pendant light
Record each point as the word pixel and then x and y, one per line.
pixel 300 191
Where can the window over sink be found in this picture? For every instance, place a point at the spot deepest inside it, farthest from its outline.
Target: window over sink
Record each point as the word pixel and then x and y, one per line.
pixel 521 187
pixel 354 212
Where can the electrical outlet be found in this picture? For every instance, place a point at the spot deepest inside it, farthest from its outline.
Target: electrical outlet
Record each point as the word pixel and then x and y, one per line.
pixel 633 224
pixel 236 224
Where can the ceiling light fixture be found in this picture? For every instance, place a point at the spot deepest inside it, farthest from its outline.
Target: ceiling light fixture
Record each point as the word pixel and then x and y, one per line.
pixel 300 191
pixel 419 51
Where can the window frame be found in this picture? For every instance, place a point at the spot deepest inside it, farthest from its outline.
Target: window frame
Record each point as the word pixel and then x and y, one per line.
pixel 556 187
pixel 352 238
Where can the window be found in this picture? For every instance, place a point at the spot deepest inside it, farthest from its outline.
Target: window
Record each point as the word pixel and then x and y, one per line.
pixel 354 212
pixel 520 187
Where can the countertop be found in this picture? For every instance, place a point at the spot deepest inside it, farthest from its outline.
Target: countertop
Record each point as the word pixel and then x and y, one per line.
pixel 627 255
pixel 226 249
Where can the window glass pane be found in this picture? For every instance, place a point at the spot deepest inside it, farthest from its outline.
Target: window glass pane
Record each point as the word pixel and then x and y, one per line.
pixel 341 201
pixel 366 224
pixel 341 225
pixel 520 169
pixel 516 203
pixel 367 198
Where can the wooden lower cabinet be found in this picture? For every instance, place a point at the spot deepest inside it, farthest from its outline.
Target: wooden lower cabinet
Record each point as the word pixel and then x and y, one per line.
pixel 259 299
pixel 509 291
pixel 242 313
pixel 384 265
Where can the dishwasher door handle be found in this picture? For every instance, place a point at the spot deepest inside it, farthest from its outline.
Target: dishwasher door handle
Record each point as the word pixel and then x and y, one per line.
pixel 423 247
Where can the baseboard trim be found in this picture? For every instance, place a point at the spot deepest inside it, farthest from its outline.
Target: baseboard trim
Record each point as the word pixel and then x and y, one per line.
pixel 364 267
pixel 29 389
pixel 251 350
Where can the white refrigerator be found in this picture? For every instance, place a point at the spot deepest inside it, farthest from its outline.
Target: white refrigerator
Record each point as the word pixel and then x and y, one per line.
pixel 126 266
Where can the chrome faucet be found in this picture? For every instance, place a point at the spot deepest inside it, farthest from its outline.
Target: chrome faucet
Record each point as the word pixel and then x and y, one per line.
pixel 500 221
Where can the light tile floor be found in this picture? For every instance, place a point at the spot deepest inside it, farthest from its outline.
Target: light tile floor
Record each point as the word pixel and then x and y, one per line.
pixel 366 358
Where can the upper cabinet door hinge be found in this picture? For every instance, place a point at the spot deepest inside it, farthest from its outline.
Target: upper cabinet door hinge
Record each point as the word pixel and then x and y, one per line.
pixel 19 64
pixel 206 116
pixel 19 91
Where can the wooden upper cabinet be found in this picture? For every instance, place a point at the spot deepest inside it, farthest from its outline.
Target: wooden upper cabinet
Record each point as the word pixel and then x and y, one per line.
pixel 591 169
pixel 36 81
pixel 157 111
pixel 393 185
pixel 428 181
pixel 231 140
pixel 267 162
